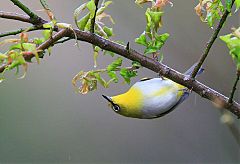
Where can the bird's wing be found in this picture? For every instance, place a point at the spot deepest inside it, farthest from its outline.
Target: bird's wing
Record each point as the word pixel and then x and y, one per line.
pixel 149 78
pixel 146 78
pixel 183 97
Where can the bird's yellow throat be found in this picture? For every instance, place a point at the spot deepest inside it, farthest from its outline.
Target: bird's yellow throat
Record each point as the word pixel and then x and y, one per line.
pixel 130 102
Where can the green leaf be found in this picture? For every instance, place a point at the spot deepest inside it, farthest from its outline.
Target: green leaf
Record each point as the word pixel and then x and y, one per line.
pixel 136 64
pixel 151 49
pixel 237 3
pixel 156 18
pixel 95 55
pixel 91 7
pixel 50 24
pixel 108 53
pixel 228 5
pixel 233 43
pixel 115 64
pixel 103 7
pixel 141 39
pixel 18 59
pixel 15 46
pixel 113 76
pixel 101 80
pixel 127 74
pixel 83 22
pixel 149 23
pixel 77 13
pixel 210 19
pixel 3 56
pixel 47 34
pixel 38 41
pixel 108 31
pixel 162 38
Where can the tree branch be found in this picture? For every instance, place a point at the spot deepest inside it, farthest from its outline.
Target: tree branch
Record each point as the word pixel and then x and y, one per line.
pixel 48 43
pixel 21 17
pixel 211 41
pixel 157 67
pixel 145 61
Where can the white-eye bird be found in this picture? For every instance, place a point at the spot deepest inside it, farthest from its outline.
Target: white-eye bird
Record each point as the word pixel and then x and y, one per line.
pixel 150 98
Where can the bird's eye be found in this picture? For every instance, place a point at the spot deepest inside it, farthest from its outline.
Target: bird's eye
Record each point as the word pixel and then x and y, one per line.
pixel 116 108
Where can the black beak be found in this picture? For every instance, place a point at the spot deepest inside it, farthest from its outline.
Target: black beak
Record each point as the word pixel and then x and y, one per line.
pixel 107 98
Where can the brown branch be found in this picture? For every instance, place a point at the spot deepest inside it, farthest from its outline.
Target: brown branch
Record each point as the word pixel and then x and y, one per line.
pixel 15 16
pixel 164 70
pixel 48 43
pixel 147 62
pixel 211 41
pixel 20 17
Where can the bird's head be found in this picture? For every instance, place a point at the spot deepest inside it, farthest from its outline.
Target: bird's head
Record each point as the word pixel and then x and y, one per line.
pixel 128 104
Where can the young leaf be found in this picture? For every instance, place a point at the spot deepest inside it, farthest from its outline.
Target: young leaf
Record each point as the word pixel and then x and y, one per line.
pixel 113 76
pixel 127 74
pixel 103 7
pixel 46 34
pixel 115 64
pixel 136 64
pixel 237 3
pixel 77 13
pixel 108 53
pixel 233 43
pixel 83 22
pixel 91 7
pixel 228 5
pixel 156 19
pixel 3 56
pixel 108 31
pixel 141 39
pixel 162 38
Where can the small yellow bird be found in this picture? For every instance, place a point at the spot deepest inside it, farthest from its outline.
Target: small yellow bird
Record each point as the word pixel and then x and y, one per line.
pixel 150 98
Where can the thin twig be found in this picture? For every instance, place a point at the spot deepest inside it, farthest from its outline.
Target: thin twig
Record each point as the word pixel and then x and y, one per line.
pixel 234 89
pixel 47 9
pixel 211 41
pixel 94 17
pixel 25 9
pixel 20 17
pixel 9 33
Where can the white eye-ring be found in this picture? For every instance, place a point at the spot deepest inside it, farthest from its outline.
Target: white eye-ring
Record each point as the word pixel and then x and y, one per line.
pixel 116 108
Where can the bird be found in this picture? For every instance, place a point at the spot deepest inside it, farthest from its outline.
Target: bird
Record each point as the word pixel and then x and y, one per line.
pixel 150 98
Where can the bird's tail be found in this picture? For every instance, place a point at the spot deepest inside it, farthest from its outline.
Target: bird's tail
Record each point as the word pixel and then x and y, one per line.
pixel 190 70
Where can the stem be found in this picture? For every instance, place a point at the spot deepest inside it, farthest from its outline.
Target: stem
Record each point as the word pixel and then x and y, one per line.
pixel 211 41
pixel 234 89
pixel 25 9
pixel 94 17
pixel 33 28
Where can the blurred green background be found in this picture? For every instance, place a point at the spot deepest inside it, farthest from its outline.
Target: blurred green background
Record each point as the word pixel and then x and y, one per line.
pixel 42 119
